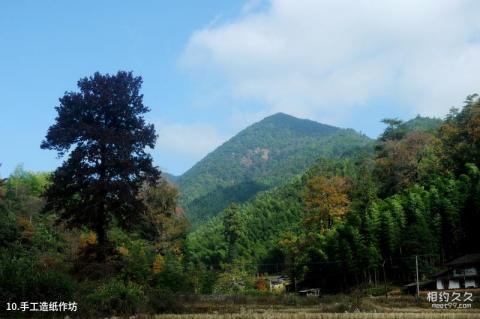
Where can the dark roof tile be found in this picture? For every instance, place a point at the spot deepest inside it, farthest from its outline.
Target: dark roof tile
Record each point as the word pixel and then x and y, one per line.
pixel 466 259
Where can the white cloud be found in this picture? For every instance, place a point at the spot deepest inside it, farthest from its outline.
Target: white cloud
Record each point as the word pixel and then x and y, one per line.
pixel 187 140
pixel 310 57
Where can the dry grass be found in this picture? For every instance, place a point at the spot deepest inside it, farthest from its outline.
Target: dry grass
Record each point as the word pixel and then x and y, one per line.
pixel 327 307
pixel 304 315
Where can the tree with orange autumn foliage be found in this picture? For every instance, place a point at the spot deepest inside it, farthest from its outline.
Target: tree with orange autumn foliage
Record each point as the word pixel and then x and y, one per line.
pixel 165 216
pixel 326 199
pixel 158 264
pixel 261 284
pixel 399 161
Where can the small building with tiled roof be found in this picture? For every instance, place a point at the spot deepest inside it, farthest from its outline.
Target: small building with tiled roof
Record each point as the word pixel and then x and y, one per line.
pixel 463 272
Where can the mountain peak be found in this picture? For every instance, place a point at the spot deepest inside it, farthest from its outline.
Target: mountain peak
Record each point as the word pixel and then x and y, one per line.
pixel 281 116
pixel 263 155
pixel 291 123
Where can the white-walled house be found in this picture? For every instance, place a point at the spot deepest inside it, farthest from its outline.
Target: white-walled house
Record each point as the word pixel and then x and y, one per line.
pixel 278 284
pixel 462 273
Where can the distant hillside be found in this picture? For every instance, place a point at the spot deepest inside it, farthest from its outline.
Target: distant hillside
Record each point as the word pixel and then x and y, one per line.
pixel 420 123
pixel 264 155
pixel 265 218
pixel 170 177
pixel 397 129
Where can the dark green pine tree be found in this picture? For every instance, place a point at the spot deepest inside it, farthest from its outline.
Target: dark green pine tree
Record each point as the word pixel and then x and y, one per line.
pixel 103 132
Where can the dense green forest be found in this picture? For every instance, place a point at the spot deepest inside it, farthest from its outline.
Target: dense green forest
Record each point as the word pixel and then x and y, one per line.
pixel 333 209
pixel 338 224
pixel 264 155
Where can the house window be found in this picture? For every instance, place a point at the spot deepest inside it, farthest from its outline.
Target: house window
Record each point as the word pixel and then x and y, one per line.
pixel 472 271
pixel 458 272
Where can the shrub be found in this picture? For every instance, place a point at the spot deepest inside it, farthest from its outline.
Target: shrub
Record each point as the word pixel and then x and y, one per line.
pixel 172 279
pixel 232 282
pixel 376 291
pixel 116 297
pixel 261 284
pixel 87 239
pixel 135 256
pixel 20 281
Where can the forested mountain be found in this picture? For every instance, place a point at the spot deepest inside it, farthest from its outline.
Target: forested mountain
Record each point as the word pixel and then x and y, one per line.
pixel 338 223
pixel 264 155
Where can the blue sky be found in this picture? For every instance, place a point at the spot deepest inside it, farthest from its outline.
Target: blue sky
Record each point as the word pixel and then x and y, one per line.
pixel 211 67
